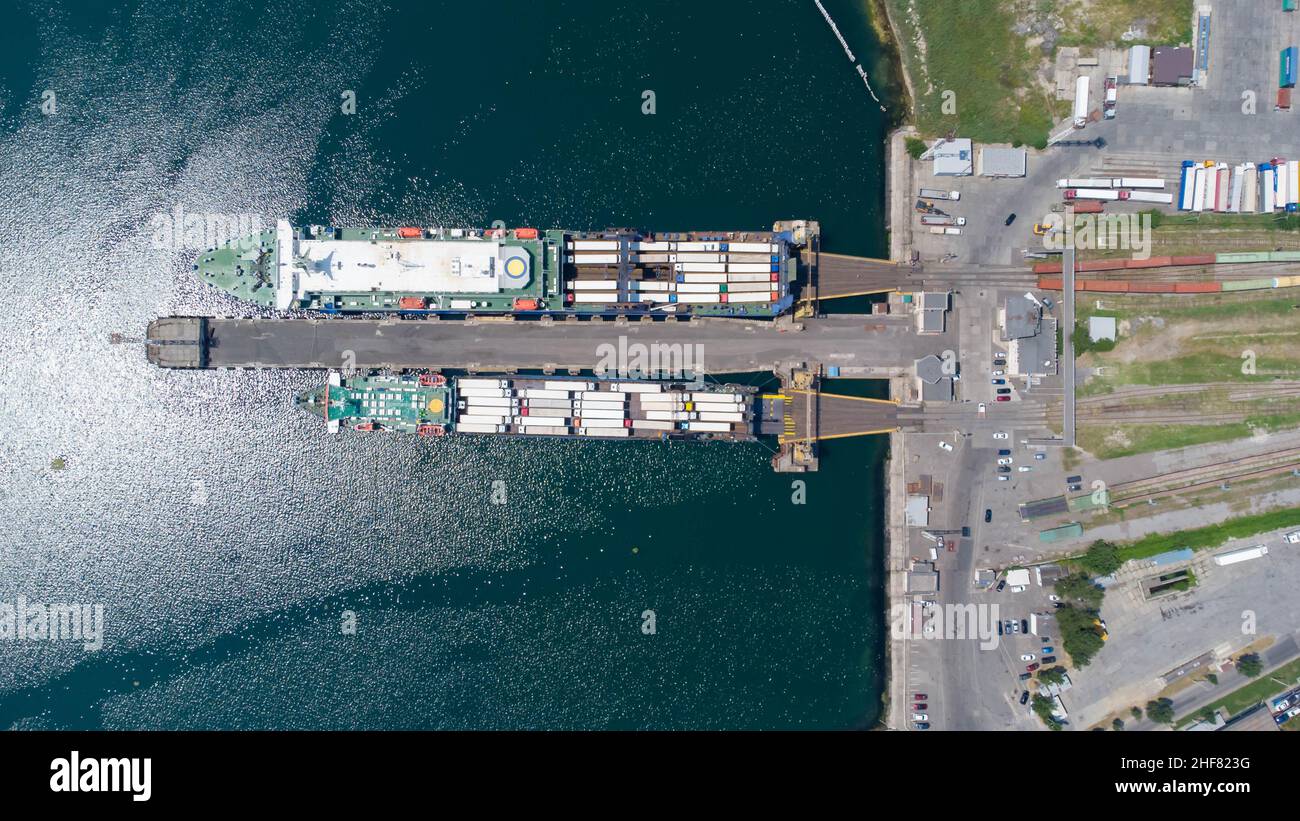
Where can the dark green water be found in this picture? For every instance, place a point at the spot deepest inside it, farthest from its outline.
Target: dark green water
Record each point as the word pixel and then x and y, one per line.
pixel 226 534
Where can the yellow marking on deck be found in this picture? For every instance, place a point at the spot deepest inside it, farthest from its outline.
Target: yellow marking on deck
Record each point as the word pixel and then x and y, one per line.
pixel 843 396
pixel 785 441
pixel 858 293
pixel 776 396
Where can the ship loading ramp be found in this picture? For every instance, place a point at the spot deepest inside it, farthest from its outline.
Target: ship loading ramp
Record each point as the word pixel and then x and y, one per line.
pixel 808 414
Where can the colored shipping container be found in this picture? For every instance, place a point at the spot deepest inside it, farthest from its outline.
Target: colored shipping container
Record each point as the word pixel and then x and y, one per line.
pixel 1153 262
pixel 1197 288
pixel 1248 284
pixel 1194 259
pixel 1047 268
pixel 1151 287
pixel 1050 284
pixel 1284 256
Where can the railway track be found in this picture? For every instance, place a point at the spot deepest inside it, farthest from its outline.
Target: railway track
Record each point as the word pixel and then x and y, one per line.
pixel 1246 467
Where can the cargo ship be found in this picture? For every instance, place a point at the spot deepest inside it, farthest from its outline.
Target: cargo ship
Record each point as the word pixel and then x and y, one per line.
pixel 462 271
pixel 574 407
pixel 417 403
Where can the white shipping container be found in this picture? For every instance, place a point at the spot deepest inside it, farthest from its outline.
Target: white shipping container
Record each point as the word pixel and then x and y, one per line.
pixel 699 299
pixel 594 422
pixel 543 393
pixel 545 430
pixel 683 259
pixel 541 420
pixel 697 246
pixel 476 419
pixel 1234 202
pixel 768 297
pixel 750 268
pixel 717 407
pixel 696 288
pixel 640 387
pixel 650 285
pixel 465 393
pixel 689 268
pixel 649 259
pixel 1151 196
pixel 1250 188
pixel 596 405
pixel 585 412
pixel 651 424
pixel 1266 186
pixel 752 247
pixel 563 385
pixel 594 245
pixel 490 401
pixel 653 296
pixel 672 416
pixel 714 416
pixel 611 432
pixel 1141 182
pixel 1293 182
pixel 1095 194
pixel 1198 193
pixel 478 428
pixel 652 246
pixel 749 287
pixel 592 284
pixel 719 396
pixel 709 427
pixel 595 259
pixel 699 276
pixel 603 396
pixel 551 404
pixel 474 382
pixel 589 298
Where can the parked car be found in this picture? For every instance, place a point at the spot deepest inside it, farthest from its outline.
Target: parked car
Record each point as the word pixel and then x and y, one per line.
pixel 1293 712
pixel 1020 588
pixel 1027 656
pixel 1004 478
pixel 1004 461
pixel 1024 625
pixel 1074 480
pixel 946 446
pixel 921 725
pixel 1025 676
pixel 983 407
pixel 1049 659
pixel 1001 585
pixel 1001 434
pixel 920 717
pixel 997 380
pixel 1003 469
pixel 1010 219
pixel 920 697
pixel 1076 488
pixel 919 707
pixel 999 628
pixel 1015 627
pixel 988 514
pixel 1004 452
pixel 1047 302
pixel 1004 398
pixel 1040 456
pixel 1029 668
pixel 1053 597
pixel 1024 468
pixel 1003 391
pixel 1024 696
pixel 999 371
pixel 1047 651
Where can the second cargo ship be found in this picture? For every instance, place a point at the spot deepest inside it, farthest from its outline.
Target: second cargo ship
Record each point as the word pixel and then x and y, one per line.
pixel 429 405
pixel 415 270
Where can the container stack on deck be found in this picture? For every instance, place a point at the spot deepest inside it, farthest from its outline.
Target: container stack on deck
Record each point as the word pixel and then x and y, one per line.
pixel 699 271
pixel 602 408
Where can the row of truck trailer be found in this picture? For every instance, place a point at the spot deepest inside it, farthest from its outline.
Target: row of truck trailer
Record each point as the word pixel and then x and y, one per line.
pixel 1126 189
pixel 695 272
pixel 1246 188
pixel 604 409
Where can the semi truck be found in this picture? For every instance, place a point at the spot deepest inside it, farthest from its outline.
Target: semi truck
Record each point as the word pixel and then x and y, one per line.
pixel 1081 102
pixel 1112 182
pixel 933 219
pixel 939 194
pixel 1244 554
pixel 1091 194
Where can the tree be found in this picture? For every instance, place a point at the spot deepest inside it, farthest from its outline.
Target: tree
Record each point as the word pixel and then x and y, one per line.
pixel 1137 712
pixel 1161 711
pixel 1212 678
pixel 1079 635
pixel 1079 587
pixel 1101 559
pixel 1052 675
pixel 916 147
pixel 1117 724
pixel 1043 707
pixel 1250 665
pixel 1208 715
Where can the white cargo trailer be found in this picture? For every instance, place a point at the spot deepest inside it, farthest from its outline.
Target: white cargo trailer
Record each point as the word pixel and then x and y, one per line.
pixel 1244 554
pixel 1081 102
pixel 1151 196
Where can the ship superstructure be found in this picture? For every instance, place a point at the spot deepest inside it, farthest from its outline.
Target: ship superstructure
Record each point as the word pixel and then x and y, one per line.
pixel 507 271
pixel 417 403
